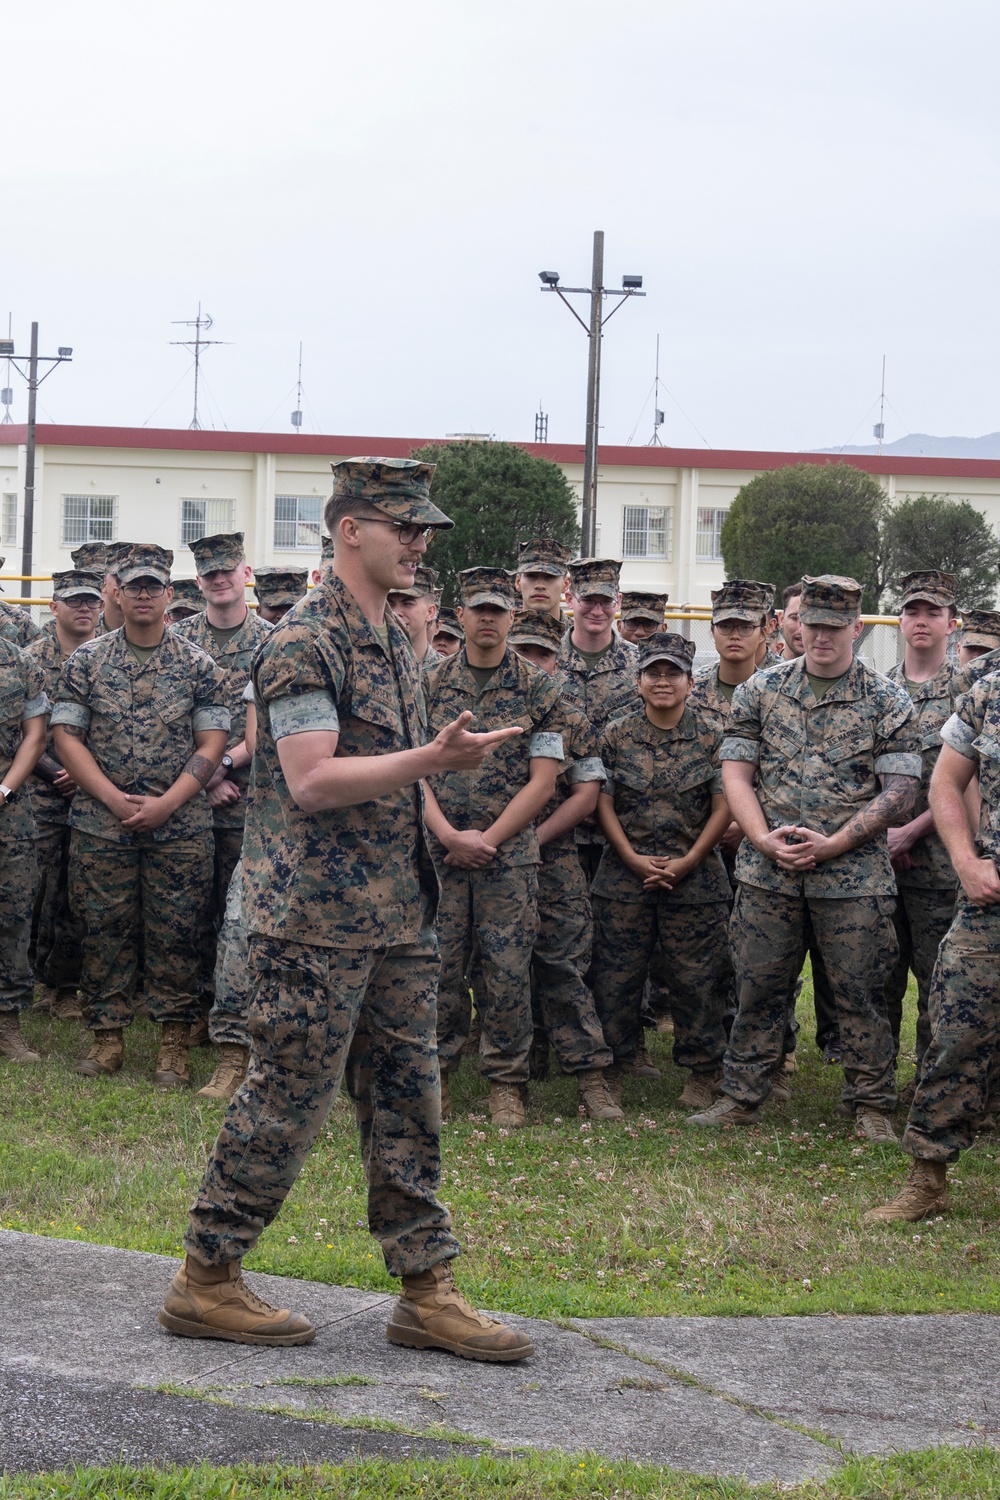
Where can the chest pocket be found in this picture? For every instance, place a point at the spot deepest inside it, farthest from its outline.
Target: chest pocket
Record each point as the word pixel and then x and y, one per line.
pixel 696 773
pixel 175 710
pixel 107 705
pixel 857 742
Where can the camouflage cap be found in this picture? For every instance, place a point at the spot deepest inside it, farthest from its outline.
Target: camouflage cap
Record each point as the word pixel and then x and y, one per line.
pixel 425 581
pixel 187 594
pixel 533 629
pixel 277 586
pixel 399 487
pixel 218 554
pixel 739 599
pixel 981 627
pixel 73 581
pixel 114 552
pixel 326 548
pixel 929 584
pixel 92 557
pixel 448 623
pixel 144 560
pixel 595 575
pixel 667 645
pixel 543 555
pixel 830 600
pixel 487 586
pixel 639 606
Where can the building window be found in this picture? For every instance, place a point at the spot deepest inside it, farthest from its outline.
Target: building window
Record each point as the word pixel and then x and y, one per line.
pixel 646 531
pixel 205 518
pixel 88 518
pixel 296 523
pixel 8 526
pixel 708 546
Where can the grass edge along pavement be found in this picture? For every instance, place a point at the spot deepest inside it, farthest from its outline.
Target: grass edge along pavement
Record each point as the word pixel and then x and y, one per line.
pixel 933 1474
pixel 567 1219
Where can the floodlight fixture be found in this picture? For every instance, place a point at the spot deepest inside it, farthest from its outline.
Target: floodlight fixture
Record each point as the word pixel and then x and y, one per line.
pixel 6 346
pixel 631 283
pixel 64 352
pixel 549 278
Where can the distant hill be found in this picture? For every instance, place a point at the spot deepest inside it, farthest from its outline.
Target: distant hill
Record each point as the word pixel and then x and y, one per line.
pixel 923 445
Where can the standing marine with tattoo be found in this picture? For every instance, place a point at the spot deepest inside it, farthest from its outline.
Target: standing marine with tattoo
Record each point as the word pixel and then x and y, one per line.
pixel 821 757
pixel 140 724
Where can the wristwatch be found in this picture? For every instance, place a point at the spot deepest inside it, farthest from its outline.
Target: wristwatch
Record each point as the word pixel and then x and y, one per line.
pixel 226 762
pixel 7 793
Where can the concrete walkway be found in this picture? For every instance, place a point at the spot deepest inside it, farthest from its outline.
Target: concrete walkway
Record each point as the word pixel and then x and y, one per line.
pixel 87 1376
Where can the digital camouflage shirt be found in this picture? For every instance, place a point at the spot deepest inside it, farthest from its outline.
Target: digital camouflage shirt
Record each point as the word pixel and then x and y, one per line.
pixel 819 763
pixel 22 696
pixel 661 782
pixel 979 666
pixel 605 690
pixel 49 806
pixel 516 694
pixel 233 659
pixel 582 763
pixel 933 703
pixel 353 877
pixel 140 719
pixel 16 624
pixel 707 699
pixel 974 731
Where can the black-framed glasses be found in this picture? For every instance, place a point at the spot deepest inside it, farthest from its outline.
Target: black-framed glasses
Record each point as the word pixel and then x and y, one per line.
pixel 406 531
pixel 147 586
pixel 735 627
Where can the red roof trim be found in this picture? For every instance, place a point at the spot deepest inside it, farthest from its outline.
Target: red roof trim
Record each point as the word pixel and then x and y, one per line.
pixel 172 439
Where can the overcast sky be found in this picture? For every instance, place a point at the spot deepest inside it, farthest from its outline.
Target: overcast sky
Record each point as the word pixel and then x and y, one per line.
pixel 805 185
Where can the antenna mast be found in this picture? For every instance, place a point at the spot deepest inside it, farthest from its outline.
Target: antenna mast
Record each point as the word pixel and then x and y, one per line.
pixel 878 431
pixel 196 345
pixel 7 391
pixel 297 413
pixel 658 417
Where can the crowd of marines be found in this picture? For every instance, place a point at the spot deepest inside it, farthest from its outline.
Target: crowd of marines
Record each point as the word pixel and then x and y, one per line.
pixel 352 837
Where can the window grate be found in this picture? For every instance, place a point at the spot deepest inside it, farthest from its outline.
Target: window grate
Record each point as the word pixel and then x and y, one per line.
pixel 647 531
pixel 708 543
pixel 8 527
pixel 88 518
pixel 296 523
pixel 205 518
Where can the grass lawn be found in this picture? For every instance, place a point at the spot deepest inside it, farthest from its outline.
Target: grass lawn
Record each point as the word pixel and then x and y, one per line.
pixel 939 1474
pixel 566 1218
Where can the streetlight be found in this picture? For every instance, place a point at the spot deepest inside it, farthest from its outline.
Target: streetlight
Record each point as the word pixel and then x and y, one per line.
pixel 631 287
pixel 34 380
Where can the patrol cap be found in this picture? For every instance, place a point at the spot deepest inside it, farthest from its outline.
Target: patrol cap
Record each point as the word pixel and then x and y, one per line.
pixel 981 627
pixel 487 586
pixel 91 557
pixel 667 645
pixel 639 606
pixel 543 555
pixel 144 560
pixel 930 585
pixel 830 600
pixel 114 553
pixel 326 548
pixel 275 587
pixel 75 581
pixel 187 594
pixel 739 599
pixel 533 629
pixel 399 487
pixel 425 581
pixel 218 554
pixel 595 575
pixel 448 623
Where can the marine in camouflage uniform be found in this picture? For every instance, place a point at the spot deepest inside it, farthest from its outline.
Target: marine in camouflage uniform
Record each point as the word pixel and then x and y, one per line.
pixel 495 899
pixel 416 610
pixel 339 902
pixel 448 633
pixel 16 623
pixel 23 706
pixel 541 576
pixel 978 647
pixel 277 590
pixel 188 600
pixel 147 715
pixel 925 880
pixel 817 745
pixel 641 615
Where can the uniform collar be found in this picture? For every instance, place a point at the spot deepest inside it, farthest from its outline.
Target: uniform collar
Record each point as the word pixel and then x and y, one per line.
pixel 339 597
pixel 795 683
pixel 938 686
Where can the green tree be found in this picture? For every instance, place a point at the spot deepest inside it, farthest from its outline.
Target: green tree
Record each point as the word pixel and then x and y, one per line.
pixel 931 531
pixel 498 496
pixel 808 518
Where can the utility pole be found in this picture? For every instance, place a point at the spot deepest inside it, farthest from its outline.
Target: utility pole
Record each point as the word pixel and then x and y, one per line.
pixel 34 381
pixel 597 292
pixel 197 344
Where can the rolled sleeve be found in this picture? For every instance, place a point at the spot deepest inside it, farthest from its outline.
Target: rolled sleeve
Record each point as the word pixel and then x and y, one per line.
pixel 546 745
pixel 212 717
pixel 733 748
pixel 956 733
pixel 590 768
pixel 898 764
pixel 75 714
pixel 716 783
pixel 301 713
pixel 36 706
pixel 247 696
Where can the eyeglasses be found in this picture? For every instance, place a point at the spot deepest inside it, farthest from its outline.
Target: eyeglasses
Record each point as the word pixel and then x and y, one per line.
pixel 150 589
pixel 735 627
pixel 81 601
pixel 597 601
pixel 673 675
pixel 407 532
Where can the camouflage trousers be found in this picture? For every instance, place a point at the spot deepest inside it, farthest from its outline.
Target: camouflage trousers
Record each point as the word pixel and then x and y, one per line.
pixel 768 937
pixel 151 894
pixel 921 919
pixel 559 960
pixel 964 1011
pixel 694 940
pixel 227 846
pixel 18 875
pixel 227 1020
pixel 56 947
pixel 500 905
pixel 315 1014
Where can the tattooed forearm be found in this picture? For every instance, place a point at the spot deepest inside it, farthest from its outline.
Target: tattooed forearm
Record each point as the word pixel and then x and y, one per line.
pixel 893 802
pixel 201 768
pixel 74 731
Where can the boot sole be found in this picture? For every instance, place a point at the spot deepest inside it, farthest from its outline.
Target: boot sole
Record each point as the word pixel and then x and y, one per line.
pixel 171 1081
pixel 93 1071
pixel 188 1330
pixel 415 1338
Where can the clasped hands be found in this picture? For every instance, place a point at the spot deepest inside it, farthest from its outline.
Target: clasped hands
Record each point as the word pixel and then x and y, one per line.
pixel 796 849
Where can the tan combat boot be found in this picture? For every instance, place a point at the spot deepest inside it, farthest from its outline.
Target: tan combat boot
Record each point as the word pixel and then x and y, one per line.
pixel 507 1106
pixel 199 1033
pixel 12 1043
pixel 45 997
pixel 172 1063
pixel 214 1302
pixel 924 1192
pixel 230 1071
pixel 725 1111
pixel 66 1006
pixel 701 1091
pixel 596 1097
pixel 433 1314
pixel 642 1065
pixel 105 1056
pixel 613 1084
pixel 445 1097
pixel 875 1126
